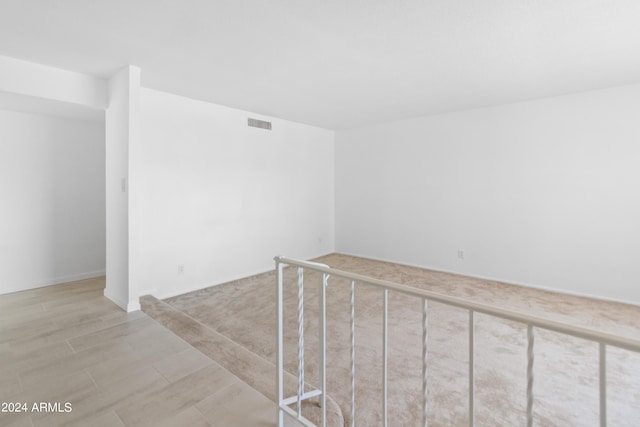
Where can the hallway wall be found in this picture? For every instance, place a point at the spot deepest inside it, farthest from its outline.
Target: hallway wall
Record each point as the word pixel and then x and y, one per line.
pixel 52 200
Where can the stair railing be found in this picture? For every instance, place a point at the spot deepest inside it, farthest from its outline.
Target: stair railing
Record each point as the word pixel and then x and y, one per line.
pixel 532 322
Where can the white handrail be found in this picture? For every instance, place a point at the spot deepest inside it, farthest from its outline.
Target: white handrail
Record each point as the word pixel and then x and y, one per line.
pixel 602 338
pixel 538 322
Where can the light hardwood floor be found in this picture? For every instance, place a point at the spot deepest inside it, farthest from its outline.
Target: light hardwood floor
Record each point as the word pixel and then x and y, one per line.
pixel 68 343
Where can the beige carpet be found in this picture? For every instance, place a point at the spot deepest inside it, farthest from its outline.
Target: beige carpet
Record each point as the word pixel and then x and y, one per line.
pixel 566 381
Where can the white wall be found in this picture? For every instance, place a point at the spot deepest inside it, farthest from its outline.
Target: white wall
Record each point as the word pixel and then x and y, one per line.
pixel 122 121
pixel 544 193
pixel 223 199
pixel 50 83
pixel 52 200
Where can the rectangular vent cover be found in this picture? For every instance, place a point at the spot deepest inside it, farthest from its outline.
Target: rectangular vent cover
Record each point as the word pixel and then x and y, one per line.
pixel 259 124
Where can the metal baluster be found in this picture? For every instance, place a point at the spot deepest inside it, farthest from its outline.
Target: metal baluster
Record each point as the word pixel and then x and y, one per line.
pixel 353 353
pixel 385 337
pixel 530 360
pixel 279 347
pixel 424 361
pixel 471 370
pixel 602 338
pixel 300 339
pixel 603 385
pixel 323 349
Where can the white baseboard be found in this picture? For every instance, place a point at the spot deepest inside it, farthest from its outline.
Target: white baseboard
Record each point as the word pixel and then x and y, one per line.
pixel 192 288
pixel 185 290
pixel 55 281
pixel 120 302
pixel 134 305
pixel 70 278
pixel 505 281
pixel 128 306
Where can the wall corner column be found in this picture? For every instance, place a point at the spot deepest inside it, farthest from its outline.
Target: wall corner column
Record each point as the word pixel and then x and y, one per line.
pixel 122 117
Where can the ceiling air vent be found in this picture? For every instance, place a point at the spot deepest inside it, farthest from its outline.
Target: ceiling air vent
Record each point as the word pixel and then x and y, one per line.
pixel 259 124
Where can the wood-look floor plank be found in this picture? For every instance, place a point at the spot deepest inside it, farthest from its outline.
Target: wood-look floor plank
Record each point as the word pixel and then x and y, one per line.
pixel 176 397
pixel 15 420
pixel 94 308
pixel 69 344
pixel 225 408
pixel 28 332
pixel 113 334
pixel 77 298
pixel 45 295
pixel 16 312
pixel 190 417
pixel 157 343
pixel 72 363
pixel 120 367
pixel 177 366
pixel 106 399
pixel 52 389
pixel 109 419
pixel 64 315
pixel 56 335
pixel 9 386
pixel 119 316
pixel 21 361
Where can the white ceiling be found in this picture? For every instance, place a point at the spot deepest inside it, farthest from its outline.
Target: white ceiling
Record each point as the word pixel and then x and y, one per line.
pixel 338 63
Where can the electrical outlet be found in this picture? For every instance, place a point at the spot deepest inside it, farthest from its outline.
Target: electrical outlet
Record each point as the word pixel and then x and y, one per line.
pixel 180 268
pixel 460 254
